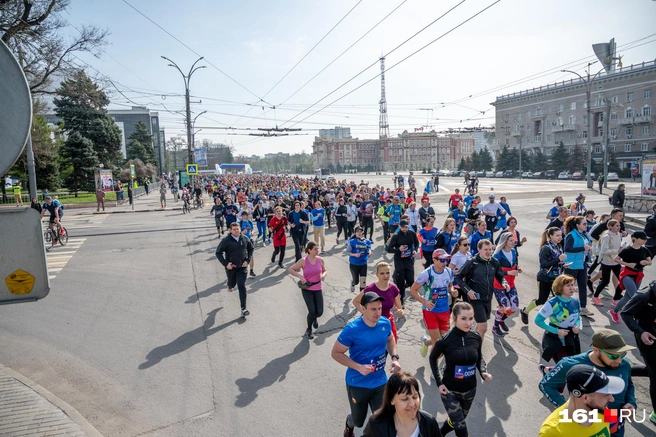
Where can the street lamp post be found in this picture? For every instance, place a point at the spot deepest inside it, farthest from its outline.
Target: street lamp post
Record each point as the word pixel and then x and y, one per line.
pixel 588 90
pixel 187 79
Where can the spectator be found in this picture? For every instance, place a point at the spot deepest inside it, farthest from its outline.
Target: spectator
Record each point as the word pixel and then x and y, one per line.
pixel 618 197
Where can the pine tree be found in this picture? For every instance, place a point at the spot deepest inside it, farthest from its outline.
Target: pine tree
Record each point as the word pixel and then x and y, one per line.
pixel 503 161
pixel 462 164
pixel 485 159
pixel 476 162
pixel 142 136
pixel 136 150
pixel 77 152
pixel 540 161
pixel 560 158
pixel 576 160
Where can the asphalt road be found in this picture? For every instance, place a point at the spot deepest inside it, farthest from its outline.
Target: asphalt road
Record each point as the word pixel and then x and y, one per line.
pixel 141 336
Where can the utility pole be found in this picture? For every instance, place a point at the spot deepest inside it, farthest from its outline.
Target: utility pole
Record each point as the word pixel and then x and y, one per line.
pixel 383 124
pixel 607 145
pixel 188 121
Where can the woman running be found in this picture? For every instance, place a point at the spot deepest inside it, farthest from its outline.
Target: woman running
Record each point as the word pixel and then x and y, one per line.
pixel 413 216
pixel 427 237
pixel 358 249
pixel 388 290
pixel 448 236
pixel 508 300
pixel 462 353
pixel 481 234
pixel 217 212
pixel 340 218
pixel 577 244
pixel 609 246
pixel 400 414
pixel 561 321
pixel 277 230
pixel 260 217
pixel 460 254
pixel 314 271
pixel 552 257
pixel 512 224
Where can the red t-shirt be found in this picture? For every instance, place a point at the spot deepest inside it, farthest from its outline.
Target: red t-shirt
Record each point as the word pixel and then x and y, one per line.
pixel 455 200
pixel 279 236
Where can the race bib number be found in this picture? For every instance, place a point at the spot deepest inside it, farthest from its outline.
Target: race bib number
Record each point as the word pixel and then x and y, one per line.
pixel 431 242
pixel 406 253
pixel 463 372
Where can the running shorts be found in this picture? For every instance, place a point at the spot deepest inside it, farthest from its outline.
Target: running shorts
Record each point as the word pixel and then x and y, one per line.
pixel 482 310
pixel 437 320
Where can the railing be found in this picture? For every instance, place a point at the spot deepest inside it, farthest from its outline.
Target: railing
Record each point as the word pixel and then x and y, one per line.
pixel 627 120
pixel 642 119
pixel 570 127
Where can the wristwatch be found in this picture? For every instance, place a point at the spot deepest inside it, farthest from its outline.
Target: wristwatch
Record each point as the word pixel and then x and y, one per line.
pixel 395 357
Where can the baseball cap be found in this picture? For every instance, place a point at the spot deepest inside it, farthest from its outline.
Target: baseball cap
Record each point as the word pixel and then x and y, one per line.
pixel 610 341
pixel 584 379
pixel 358 228
pixel 491 196
pixel 369 297
pixel 640 235
pixel 440 253
pixel 404 223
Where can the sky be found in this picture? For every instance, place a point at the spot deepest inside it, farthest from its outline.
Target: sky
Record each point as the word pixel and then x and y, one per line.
pixel 252 50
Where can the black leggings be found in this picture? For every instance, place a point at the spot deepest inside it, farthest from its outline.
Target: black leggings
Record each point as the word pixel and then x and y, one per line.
pixel 349 229
pixel 314 302
pixel 428 257
pixel 276 250
pixel 544 291
pixel 605 276
pixel 368 223
pixel 593 266
pixel 341 226
pixel 457 407
pixel 358 272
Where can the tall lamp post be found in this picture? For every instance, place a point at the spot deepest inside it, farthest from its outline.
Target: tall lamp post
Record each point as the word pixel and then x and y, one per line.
pixel 187 79
pixel 588 90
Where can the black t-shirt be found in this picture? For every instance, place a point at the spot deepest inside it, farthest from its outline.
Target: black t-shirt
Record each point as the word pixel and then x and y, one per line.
pixel 555 223
pixel 631 255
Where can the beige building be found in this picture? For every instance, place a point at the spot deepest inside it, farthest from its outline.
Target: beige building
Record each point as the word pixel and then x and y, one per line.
pixel 621 105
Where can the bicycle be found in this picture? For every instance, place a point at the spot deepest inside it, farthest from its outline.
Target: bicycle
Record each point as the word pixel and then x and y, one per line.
pixel 51 238
pixel 198 203
pixel 185 207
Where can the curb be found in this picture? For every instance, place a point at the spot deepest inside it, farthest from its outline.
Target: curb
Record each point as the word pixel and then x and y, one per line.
pixel 71 412
pixel 129 211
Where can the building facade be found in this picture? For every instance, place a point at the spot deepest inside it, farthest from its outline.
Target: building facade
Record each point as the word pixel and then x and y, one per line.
pixel 339 132
pixel 621 106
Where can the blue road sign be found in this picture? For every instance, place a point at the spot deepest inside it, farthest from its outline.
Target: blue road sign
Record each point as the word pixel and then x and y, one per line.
pixel 192 169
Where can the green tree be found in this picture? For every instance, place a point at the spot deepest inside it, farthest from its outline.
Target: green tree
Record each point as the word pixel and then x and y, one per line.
pixel 560 158
pixel 576 160
pixel 81 106
pixel 462 164
pixel 469 164
pixel 475 160
pixel 136 150
pixel 142 136
pixel 504 160
pixel 77 153
pixel 485 159
pixel 527 162
pixel 540 161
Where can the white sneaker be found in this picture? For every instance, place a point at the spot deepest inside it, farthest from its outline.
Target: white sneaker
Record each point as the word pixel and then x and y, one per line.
pixel 586 312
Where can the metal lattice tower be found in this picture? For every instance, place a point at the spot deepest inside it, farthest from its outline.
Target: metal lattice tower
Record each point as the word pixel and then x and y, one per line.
pixel 383 124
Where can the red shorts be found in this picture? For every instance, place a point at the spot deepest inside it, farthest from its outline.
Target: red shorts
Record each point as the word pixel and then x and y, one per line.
pixel 437 320
pixel 391 319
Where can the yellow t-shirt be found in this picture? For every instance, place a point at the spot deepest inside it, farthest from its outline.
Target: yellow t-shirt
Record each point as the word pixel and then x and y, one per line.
pixel 553 427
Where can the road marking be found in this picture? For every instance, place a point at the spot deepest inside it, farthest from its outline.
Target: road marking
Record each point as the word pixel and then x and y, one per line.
pixel 57 260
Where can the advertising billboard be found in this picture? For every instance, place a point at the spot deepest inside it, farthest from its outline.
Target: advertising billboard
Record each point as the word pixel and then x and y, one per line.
pixel 104 179
pixel 649 177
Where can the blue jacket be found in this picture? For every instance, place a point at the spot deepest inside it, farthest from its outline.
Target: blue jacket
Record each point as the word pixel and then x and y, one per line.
pixel 575 250
pixel 475 238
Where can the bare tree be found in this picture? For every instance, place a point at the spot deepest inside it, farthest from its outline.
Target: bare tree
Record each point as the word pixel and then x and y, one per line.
pixel 31 30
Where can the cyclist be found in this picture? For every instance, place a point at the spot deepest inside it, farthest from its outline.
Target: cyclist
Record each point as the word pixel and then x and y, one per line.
pixel 56 210
pixel 198 192
pixel 186 198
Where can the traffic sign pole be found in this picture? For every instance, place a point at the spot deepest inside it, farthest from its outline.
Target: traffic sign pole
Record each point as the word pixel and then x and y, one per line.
pixel 132 182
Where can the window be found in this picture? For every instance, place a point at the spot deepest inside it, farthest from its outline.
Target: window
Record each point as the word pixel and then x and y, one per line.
pixel 548 152
pixel 585 105
pixel 571 150
pixel 549 138
pixel 538 111
pixel 507 130
pixel 646 110
pixel 599 101
pixel 585 120
pixel 584 134
pixel 584 149
pixel 597 149
pixel 549 109
pixel 613 115
pixel 572 119
pixel 629 97
pixel 611 149
pixel 517 140
pixel 498 142
pixel 645 129
pixel 572 106
pixel 601 117
pixel 572 135
pixel 561 108
pixel 644 147
pixel 615 100
pixel 528 114
pixel 507 141
pixel 647 94
pixel 613 132
pixel 628 113
pixel 600 132
pixel 627 147
pixel 506 117
pixel 629 131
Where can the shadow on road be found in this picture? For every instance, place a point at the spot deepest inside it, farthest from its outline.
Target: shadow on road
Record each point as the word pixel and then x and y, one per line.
pixel 187 340
pixel 337 322
pixel 275 371
pixel 210 291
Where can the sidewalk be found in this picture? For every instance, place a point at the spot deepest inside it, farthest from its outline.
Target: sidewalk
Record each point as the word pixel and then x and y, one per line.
pixel 27 409
pixel 143 203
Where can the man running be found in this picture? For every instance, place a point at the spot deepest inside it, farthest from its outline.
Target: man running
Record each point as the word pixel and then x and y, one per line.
pixel 234 253
pixel 368 340
pixel 404 246
pixel 455 199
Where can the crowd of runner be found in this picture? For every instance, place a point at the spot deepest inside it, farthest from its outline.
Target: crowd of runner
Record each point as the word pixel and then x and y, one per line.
pixel 470 259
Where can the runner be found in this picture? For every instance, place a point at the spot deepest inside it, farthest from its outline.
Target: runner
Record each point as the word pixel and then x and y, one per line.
pixel 298 222
pixel 473 214
pixel 230 212
pixel 404 246
pixel 351 217
pixel 260 217
pixel 481 234
pixel 425 212
pixel 590 391
pixel 340 217
pixel 507 299
pixel 512 224
pixel 578 207
pixel 577 243
pixel 234 253
pixel 476 279
pixel 277 226
pixel 317 217
pixel 367 209
pixel 609 247
pixel 460 216
pixel 394 212
pixel 217 211
pixel 462 354
pixel 490 211
pixel 368 340
pixel 552 263
pixel 359 250
pixel 455 199
pixel 314 272
pixel 427 235
pixel 554 211
pixel 437 284
pixel 390 292
pixel 413 216
pixel 460 254
pixel 633 259
pixel 639 315
pixel 246 226
pixel 448 236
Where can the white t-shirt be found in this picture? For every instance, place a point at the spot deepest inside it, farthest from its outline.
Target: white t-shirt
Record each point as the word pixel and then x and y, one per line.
pixel 459 259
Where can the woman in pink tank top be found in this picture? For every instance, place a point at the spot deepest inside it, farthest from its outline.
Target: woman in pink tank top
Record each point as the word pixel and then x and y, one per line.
pixel 314 271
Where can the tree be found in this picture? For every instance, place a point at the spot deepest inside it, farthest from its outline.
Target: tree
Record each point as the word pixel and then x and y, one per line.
pixel 576 160
pixel 527 161
pixel 77 152
pixel 476 163
pixel 141 170
pixel 560 158
pixel 504 161
pixel 540 161
pixel 485 159
pixel 613 165
pixel 136 150
pixel 34 30
pixel 462 164
pixel 81 106
pixel 145 139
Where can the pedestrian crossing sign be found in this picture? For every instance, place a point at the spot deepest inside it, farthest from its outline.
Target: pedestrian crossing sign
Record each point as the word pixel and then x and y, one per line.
pixel 192 169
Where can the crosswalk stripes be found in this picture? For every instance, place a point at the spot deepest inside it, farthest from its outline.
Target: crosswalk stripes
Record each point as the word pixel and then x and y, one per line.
pixel 58 257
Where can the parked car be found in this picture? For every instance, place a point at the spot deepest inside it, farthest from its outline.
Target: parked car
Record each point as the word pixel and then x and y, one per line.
pixel 564 175
pixel 550 174
pixel 490 174
pixel 481 174
pixel 462 173
pixel 612 176
pixel 577 176
pixel 499 174
pixel 508 174
pixel 538 175
pixel 525 174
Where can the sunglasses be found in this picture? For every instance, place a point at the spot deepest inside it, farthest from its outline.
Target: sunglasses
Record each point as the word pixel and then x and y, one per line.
pixel 465 244
pixel 614 356
pixel 442 260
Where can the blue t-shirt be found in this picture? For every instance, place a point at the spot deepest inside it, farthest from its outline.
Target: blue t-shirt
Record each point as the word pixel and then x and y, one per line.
pixel 428 237
pixel 366 345
pixel 475 238
pixel 363 246
pixel 246 227
pixel 318 215
pixel 450 240
pixel 459 217
pixel 436 288
pixel 468 200
pixel 231 214
pixel 553 212
pixel 394 212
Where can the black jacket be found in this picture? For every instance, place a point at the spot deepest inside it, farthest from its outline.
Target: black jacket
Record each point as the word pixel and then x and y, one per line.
pixel 478 275
pixel 304 216
pixel 618 199
pixel 233 251
pixel 424 213
pixel 650 230
pixel 400 239
pixel 461 350
pixel 384 427
pixel 640 312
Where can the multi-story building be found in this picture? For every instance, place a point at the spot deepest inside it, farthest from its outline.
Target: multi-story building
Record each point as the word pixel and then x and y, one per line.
pixel 338 133
pixel 620 115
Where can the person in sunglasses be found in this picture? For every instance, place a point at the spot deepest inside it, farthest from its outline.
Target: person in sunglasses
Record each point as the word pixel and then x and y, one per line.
pixel 607 354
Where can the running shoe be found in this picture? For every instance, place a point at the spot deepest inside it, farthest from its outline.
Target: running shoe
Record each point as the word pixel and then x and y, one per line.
pixel 613 303
pixel 245 312
pixel 614 316
pixel 424 346
pixel 497 331
pixel 503 326
pixel 352 288
pixel 281 266
pixel 348 430
pixel 308 334
pixel 337 240
pixel 596 301
pixel 544 369
pixel 652 417
pixel 315 325
pixel 524 316
pixel 586 312
pixel 253 273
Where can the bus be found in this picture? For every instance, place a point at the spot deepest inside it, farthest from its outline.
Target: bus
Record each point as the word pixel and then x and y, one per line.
pixel 322 173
